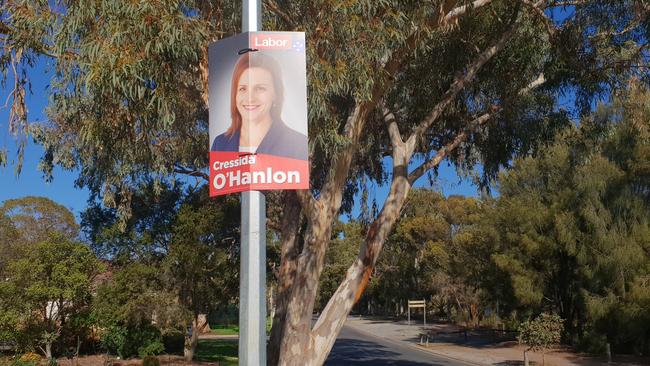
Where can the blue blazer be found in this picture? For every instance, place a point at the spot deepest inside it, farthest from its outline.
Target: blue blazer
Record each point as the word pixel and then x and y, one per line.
pixel 280 140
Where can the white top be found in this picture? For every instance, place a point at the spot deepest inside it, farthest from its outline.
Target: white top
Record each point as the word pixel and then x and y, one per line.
pixel 248 149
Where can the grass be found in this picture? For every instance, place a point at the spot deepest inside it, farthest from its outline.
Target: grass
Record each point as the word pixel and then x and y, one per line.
pixel 218 350
pixel 234 329
pixel 225 329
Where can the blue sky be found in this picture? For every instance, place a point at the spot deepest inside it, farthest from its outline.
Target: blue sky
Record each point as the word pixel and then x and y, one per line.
pixel 30 181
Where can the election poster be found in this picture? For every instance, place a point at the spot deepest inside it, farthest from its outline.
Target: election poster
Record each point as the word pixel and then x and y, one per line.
pixel 258 113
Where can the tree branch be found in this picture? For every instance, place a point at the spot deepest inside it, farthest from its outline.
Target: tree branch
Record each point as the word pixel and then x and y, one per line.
pixel 393 128
pixel 444 151
pixel 40 48
pixel 274 8
pixel 568 3
pixel 541 79
pixel 356 120
pixel 550 27
pixel 289 250
pixel 460 82
pixel 192 173
pixel 461 10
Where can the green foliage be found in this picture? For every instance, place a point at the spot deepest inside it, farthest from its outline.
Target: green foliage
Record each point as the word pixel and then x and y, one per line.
pixel 113 339
pixel 138 63
pixel 125 306
pixel 176 260
pixel 145 235
pixel 140 66
pixel 43 268
pixel 142 341
pixel 569 232
pixel 35 218
pixel 541 333
pixel 429 255
pixel 19 362
pixel 201 262
pixel 9 247
pixel 50 281
pixel 344 247
pixel 567 235
pixel 151 347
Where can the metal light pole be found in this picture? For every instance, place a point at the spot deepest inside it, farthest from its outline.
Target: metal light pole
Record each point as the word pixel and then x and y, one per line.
pixel 252 275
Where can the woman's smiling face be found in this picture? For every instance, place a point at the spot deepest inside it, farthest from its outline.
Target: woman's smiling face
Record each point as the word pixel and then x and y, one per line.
pixel 255 95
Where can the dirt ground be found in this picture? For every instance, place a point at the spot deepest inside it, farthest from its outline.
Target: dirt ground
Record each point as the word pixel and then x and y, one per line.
pixel 512 354
pixel 101 360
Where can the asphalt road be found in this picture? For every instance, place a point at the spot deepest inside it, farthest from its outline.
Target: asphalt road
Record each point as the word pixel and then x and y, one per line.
pixel 353 347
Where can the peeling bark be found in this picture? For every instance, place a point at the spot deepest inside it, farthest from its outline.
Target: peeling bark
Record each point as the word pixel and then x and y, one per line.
pixel 286 275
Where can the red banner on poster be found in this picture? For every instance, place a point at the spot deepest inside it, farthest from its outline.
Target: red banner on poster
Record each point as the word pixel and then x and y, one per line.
pixel 233 172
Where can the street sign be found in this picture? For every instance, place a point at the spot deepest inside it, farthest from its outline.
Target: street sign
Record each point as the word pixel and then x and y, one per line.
pixel 258 113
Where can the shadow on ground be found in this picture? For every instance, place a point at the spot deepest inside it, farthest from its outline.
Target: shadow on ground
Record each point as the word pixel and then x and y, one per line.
pixel 512 363
pixel 351 352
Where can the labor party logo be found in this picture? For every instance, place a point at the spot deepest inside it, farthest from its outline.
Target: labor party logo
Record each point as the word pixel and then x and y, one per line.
pixel 258 113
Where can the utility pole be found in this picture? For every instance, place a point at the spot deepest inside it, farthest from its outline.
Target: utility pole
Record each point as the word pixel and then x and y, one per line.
pixel 252 275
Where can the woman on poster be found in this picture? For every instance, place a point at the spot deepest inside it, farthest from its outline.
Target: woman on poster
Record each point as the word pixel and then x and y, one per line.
pixel 256 101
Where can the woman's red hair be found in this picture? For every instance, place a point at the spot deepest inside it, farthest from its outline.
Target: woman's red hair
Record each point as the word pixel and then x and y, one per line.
pixel 247 61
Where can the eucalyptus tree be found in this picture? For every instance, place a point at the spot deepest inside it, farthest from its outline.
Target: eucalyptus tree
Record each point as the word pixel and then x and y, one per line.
pixel 472 82
pixel 396 87
pixel 36 218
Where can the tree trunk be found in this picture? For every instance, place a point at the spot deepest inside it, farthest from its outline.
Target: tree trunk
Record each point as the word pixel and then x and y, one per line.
pixel 526 361
pixel 288 262
pixel 297 346
pixel 191 340
pixel 303 346
pixel 48 350
pixel 271 302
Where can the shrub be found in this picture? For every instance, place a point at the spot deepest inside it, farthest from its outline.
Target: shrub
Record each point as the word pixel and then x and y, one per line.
pixel 541 333
pixel 154 347
pixel 174 342
pixel 27 359
pixel 113 340
pixel 30 356
pixel 24 363
pixel 150 361
pixel 132 341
